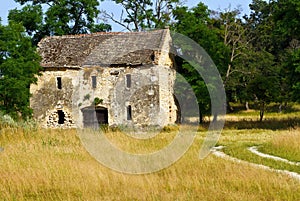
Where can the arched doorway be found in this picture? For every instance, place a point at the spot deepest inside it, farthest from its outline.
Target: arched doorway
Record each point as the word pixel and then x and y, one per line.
pixel 94 116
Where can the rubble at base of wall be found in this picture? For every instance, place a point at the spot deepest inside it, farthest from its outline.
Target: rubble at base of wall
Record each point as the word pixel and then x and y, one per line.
pixel 53 121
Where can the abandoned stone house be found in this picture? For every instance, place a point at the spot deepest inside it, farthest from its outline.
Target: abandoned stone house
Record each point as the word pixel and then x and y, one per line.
pixel 105 78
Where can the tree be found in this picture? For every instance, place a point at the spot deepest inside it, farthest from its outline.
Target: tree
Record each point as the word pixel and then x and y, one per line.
pixel 261 26
pixel 267 45
pixel 196 24
pixel 264 83
pixel 286 15
pixel 19 64
pixel 236 38
pixel 291 68
pixel 60 18
pixel 138 15
pixel 30 16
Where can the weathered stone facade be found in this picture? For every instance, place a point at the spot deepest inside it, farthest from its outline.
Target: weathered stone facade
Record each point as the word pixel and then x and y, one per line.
pixel 129 76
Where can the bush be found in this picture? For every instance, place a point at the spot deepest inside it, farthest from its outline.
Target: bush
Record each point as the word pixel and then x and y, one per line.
pixel 6 120
pixel 170 128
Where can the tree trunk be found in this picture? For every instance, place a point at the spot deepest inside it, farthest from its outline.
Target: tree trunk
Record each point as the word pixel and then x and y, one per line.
pixel 229 108
pixel 247 105
pixel 262 111
pixel 200 117
pixel 280 108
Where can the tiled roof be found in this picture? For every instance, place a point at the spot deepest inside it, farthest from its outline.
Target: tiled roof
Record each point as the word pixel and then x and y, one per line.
pixel 103 49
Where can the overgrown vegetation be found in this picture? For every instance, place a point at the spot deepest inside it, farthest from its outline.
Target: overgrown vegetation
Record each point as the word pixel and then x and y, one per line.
pixel 258 59
pixel 19 64
pixel 52 164
pixel 257 55
pixel 285 146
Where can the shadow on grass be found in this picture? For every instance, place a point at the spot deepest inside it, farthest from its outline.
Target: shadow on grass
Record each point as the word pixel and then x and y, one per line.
pixel 270 124
pixel 285 109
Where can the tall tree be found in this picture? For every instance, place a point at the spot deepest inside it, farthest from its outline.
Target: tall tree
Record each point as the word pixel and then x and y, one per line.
pixel 286 15
pixel 263 83
pixel 275 27
pixel 60 17
pixel 139 15
pixel 19 64
pixel 261 26
pixel 196 24
pixel 236 38
pixel 291 72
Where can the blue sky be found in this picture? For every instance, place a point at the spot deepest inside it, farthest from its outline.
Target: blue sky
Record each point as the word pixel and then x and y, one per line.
pixel 106 5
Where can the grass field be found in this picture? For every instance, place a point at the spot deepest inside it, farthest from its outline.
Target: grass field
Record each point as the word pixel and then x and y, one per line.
pixel 44 164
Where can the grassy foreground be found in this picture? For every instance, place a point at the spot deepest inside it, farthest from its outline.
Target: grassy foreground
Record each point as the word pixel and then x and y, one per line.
pixel 53 165
pixel 281 143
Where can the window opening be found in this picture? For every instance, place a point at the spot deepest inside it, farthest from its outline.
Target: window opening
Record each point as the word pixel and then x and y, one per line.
pixel 61 117
pixel 128 80
pixel 129 112
pixel 59 84
pixel 152 57
pixel 94 81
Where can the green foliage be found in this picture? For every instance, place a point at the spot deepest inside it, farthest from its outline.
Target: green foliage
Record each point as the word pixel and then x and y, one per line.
pixel 196 24
pixel 98 101
pixel 287 20
pixel 19 64
pixel 60 18
pixel 263 85
pixel 294 77
pixel 258 56
pixel 102 27
pixel 30 16
pixel 86 97
pixel 144 14
pixel 80 16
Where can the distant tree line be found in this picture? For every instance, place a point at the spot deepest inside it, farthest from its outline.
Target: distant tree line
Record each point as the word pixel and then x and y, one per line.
pixel 257 55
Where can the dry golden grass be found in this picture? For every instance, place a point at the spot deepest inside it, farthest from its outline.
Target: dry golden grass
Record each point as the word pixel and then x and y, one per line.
pixel 53 165
pixel 237 142
pixel 286 145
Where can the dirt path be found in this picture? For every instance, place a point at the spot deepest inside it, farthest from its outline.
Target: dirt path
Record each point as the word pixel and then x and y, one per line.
pixel 217 152
pixel 255 151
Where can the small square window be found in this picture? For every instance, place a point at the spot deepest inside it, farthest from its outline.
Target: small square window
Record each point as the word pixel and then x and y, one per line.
pixel 94 81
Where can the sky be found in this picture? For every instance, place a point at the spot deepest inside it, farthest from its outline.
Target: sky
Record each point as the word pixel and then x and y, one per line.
pixel 110 7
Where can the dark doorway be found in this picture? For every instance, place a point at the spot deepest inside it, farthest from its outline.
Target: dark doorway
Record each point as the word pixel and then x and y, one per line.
pixel 93 117
pixel 61 116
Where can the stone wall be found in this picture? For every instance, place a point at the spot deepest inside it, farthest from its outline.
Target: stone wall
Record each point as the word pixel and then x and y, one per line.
pixel 47 98
pixel 53 120
pixel 150 94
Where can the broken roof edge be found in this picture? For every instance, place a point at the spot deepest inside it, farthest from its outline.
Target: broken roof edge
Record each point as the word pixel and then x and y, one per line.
pixel 51 68
pixel 105 33
pixel 165 36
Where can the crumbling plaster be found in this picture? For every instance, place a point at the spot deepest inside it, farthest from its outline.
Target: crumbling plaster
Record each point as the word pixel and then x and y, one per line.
pixel 151 70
